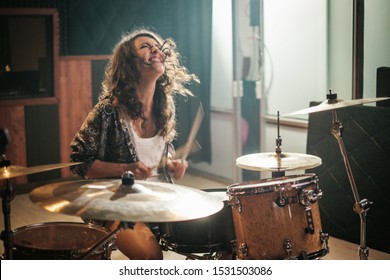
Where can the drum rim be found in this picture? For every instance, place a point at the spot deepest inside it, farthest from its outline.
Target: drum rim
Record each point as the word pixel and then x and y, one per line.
pixel 36 225
pixel 269 185
pixel 59 251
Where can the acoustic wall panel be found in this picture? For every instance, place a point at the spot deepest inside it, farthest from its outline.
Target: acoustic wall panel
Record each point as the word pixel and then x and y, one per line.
pixel 366 136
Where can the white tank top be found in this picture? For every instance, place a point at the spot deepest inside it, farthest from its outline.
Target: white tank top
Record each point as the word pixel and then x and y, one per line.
pixel 149 150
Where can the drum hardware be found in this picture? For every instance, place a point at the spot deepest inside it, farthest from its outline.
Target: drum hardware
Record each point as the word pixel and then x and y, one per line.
pixel 278 150
pixel 310 222
pixel 242 251
pixel 308 197
pixel 305 198
pixel 281 201
pixel 324 237
pixel 167 246
pixel 255 241
pixel 102 243
pixel 7 195
pixel 207 256
pixel 235 203
pixel 361 206
pixel 303 255
pixel 288 248
pixel 105 241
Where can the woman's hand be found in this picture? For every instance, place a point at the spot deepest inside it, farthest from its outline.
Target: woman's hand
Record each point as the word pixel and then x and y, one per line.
pixel 177 167
pixel 102 169
pixel 140 170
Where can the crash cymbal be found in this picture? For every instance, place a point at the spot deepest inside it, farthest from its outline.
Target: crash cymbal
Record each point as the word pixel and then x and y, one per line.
pixel 332 104
pixel 277 162
pixel 111 200
pixel 17 171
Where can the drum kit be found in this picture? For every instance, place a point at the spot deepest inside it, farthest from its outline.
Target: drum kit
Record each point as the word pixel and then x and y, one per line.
pixel 274 218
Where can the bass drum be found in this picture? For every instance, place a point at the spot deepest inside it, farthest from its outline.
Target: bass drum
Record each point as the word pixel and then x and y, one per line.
pixel 278 218
pixel 208 235
pixel 59 241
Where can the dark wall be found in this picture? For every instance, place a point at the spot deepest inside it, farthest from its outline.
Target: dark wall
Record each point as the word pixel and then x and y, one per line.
pixel 366 136
pixel 43 144
pixel 90 27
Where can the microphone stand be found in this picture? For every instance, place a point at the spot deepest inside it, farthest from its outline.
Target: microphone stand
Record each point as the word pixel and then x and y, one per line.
pixel 361 206
pixel 7 196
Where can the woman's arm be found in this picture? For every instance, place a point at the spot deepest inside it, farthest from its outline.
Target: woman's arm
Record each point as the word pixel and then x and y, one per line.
pixel 102 169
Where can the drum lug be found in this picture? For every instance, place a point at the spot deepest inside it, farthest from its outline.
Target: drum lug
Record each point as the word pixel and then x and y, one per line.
pixel 309 219
pixel 287 247
pixel 324 237
pixel 242 252
pixel 235 202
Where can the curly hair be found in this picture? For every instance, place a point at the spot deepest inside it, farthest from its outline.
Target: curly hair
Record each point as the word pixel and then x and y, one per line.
pixel 121 78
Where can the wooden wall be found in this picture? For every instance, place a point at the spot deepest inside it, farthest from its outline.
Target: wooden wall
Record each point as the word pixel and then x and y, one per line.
pixel 74 98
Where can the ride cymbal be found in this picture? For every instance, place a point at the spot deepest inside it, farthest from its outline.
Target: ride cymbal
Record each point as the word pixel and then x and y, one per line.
pixel 111 200
pixel 277 162
pixel 332 104
pixel 17 171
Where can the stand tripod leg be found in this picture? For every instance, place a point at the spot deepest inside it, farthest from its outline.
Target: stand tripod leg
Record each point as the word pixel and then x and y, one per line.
pixel 106 239
pixel 361 206
pixel 7 235
pixel 7 196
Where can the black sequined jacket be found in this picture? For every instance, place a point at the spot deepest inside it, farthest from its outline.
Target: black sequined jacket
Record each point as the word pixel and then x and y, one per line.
pixel 105 136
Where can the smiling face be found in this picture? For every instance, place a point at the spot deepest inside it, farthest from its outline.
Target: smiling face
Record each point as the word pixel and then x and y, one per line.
pixel 150 59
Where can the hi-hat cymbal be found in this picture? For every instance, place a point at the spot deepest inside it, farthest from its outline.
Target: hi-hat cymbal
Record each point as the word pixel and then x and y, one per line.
pixel 17 171
pixel 335 104
pixel 111 200
pixel 277 162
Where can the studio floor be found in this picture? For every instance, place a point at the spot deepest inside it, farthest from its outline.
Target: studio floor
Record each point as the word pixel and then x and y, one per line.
pixel 24 212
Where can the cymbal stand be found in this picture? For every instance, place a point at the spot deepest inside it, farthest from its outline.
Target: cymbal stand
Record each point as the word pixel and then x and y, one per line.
pixel 7 196
pixel 361 206
pixel 278 151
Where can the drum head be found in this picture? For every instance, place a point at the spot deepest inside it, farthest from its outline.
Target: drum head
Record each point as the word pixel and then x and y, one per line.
pixel 64 236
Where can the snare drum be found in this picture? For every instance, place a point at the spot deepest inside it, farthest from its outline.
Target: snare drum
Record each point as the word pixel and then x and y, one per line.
pixel 278 218
pixel 212 234
pixel 59 241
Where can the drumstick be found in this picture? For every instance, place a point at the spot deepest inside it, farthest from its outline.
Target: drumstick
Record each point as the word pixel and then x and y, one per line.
pixel 193 132
pixel 195 147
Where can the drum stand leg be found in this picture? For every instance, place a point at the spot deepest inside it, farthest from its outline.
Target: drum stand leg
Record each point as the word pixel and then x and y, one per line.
pixel 104 241
pixel 207 256
pixel 7 196
pixel 361 206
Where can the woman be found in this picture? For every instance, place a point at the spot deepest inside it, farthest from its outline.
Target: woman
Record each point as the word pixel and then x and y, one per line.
pixel 133 124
